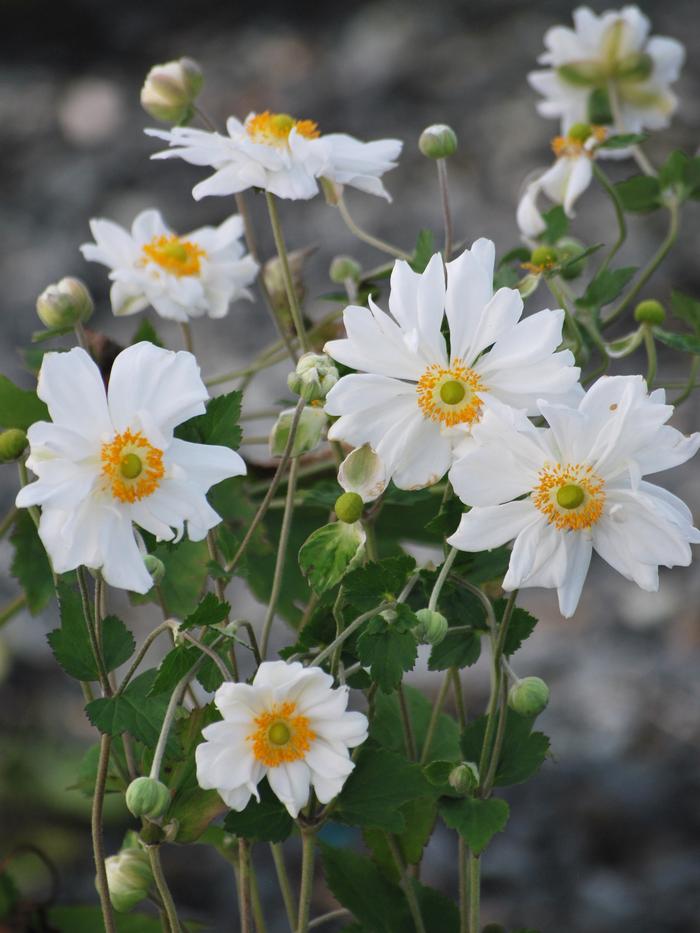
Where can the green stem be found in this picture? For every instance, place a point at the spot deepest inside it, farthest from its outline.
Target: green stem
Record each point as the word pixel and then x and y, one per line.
pixel 256 903
pixel 619 214
pixel 498 740
pixel 690 385
pixel 212 655
pixel 442 576
pixel 12 608
pixel 283 880
pixel 166 626
pixel 459 698
pixel 361 234
pixel 435 716
pixel 8 521
pixel 326 918
pixel 463 887
pixel 163 889
pixel 409 737
pixel 556 289
pixel 187 336
pixel 474 893
pixel 247 371
pixel 406 884
pixel 286 272
pixel 81 336
pixel 244 885
pixel 92 632
pixel 97 840
pixel 308 843
pixel 445 201
pixel 650 347
pixel 346 633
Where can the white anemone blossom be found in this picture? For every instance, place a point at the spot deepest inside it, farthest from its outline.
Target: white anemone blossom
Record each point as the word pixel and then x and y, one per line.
pixel 279 154
pixel 290 725
pixel 195 274
pixel 109 460
pixel 565 181
pixel 415 399
pixel 564 491
pixel 611 52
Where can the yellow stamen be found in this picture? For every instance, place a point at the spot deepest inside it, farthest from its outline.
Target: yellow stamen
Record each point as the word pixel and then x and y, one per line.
pixel 281 735
pixel 571 146
pixel 571 495
pixel 180 257
pixel 450 396
pixel 132 467
pixel 273 129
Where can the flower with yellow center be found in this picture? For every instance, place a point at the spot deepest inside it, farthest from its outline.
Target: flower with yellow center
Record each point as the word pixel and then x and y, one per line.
pixel 289 725
pixel 109 461
pixel 273 129
pixel 418 394
pixel 182 277
pixel 561 492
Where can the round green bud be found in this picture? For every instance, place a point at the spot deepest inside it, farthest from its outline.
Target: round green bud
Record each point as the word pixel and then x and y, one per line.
pixel 155 567
pixel 650 312
pixel 567 248
pixel 344 268
pixel 129 878
pixel 65 304
pixel 348 507
pixel 529 696
pixel 544 256
pixel 13 443
pixel 314 377
pixel 438 141
pixel 579 132
pixel 570 496
pixel 452 392
pixel 464 778
pixel 169 91
pixel 431 628
pixel 147 797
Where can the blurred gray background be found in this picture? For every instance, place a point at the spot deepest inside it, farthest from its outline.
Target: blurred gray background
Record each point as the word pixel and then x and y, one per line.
pixel 607 837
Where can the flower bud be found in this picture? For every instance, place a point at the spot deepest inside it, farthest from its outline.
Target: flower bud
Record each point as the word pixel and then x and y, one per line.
pixel 567 248
pixel 13 443
pixel 147 797
pixel 348 507
pixel 431 628
pixel 314 377
pixel 464 778
pixel 312 422
pixel 438 141
pixel 544 257
pixel 273 276
pixel 344 268
pixel 363 472
pixel 155 567
pixel 129 878
pixel 650 312
pixel 64 304
pixel 529 696
pixel 170 90
pixel 579 132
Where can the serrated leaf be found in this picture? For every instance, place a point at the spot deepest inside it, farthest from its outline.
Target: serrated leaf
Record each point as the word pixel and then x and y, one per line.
pixel 328 553
pixel 424 251
pixel 359 885
pixel 605 287
pixel 30 565
pixel 639 194
pixel 521 626
pixel 218 425
pixel 477 821
pixel 19 408
pixel 176 663
pixel 134 711
pixel 211 611
pixel 267 821
pixel 522 752
pixel 389 648
pixel 419 816
pixel 377 581
pixel 386 727
pixel 686 343
pixel 461 649
pixel 185 575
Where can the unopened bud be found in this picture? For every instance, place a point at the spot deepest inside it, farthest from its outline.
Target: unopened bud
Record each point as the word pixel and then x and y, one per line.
pixel 155 567
pixel 310 427
pixel 170 90
pixel 348 507
pixel 13 443
pixel 529 696
pixel 650 312
pixel 432 627
pixel 147 797
pixel 64 304
pixel 363 471
pixel 568 247
pixel 344 268
pixel 438 141
pixel 579 132
pixel 314 377
pixel 464 778
pixel 544 257
pixel 129 878
pixel 274 278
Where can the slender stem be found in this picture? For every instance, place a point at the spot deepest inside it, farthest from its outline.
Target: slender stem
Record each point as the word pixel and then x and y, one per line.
pixel 442 576
pixel 463 887
pixel 435 716
pixel 163 889
pixel 445 200
pixel 166 626
pixel 256 903
pixel 409 737
pixel 92 633
pixel 326 918
pixel 474 893
pixel 271 360
pixel 170 711
pixel 308 848
pixel 81 336
pixel 10 610
pixel 347 632
pixel 406 884
pixel 619 214
pixel 187 336
pixel 650 347
pixel 459 698
pixel 283 880
pixel 281 555
pixel 244 885
pixel 498 740
pixel 555 288
pixel 8 521
pixel 97 840
pixel 690 385
pixel 361 234
pixel 286 272
pixel 212 655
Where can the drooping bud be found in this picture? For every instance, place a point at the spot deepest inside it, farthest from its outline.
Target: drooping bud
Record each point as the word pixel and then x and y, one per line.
pixel 464 778
pixel 314 377
pixel 155 567
pixel 650 312
pixel 344 268
pixel 64 304
pixel 567 248
pixel 129 878
pixel 438 141
pixel 529 696
pixel 147 797
pixel 348 507
pixel 363 471
pixel 431 628
pixel 13 443
pixel 170 90
pixel 273 276
pixel 312 422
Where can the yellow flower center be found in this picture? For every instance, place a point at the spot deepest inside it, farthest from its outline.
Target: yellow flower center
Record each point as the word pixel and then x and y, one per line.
pixel 132 467
pixel 273 129
pixel 571 495
pixel 180 257
pixel 574 144
pixel 450 396
pixel 281 735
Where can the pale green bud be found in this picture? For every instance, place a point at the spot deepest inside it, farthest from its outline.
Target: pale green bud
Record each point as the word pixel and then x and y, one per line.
pixel 438 141
pixel 314 377
pixel 344 268
pixel 363 471
pixel 312 423
pixel 155 567
pixel 170 90
pixel 544 257
pixel 64 304
pixel 129 878
pixel 432 627
pixel 13 443
pixel 529 696
pixel 650 312
pixel 567 248
pixel 464 778
pixel 147 797
pixel 348 507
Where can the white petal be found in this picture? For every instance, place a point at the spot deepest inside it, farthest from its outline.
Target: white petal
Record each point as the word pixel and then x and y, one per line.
pixel 484 528
pixel 579 549
pixel 291 782
pixel 72 387
pixel 490 475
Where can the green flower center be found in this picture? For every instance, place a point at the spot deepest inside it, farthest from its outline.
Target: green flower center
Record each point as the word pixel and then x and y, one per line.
pixel 570 496
pixel 452 392
pixel 279 733
pixel 130 466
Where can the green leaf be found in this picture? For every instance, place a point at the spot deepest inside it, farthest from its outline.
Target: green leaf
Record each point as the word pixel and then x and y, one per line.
pixel 686 309
pixel 378 581
pixel 218 425
pixel 211 611
pixel 20 408
pixel 419 817
pixel 438 772
pixel 176 663
pixel 358 884
pixel 82 919
pixel 686 343
pixel 461 649
pixel 328 553
pixel 389 648
pixel 639 194
pixel 146 331
pixel 87 771
pixel 521 626
pixel 378 787
pixel 185 576
pixel 622 141
pixel 483 566
pixel 386 727
pixel 30 565
pixel 672 171
pixel 557 224
pixel 267 821
pixel 134 711
pixel 605 287
pixel 522 752
pixel 599 109
pixel 477 821
pixel 423 253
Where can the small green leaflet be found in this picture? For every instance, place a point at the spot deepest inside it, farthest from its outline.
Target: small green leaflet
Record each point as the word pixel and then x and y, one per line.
pixel 267 821
pixel 134 711
pixel 377 581
pixel 425 248
pixel 386 728
pixel 622 141
pixel 686 343
pixel 218 425
pixel 522 753
pixel 605 287
pixel 461 649
pixel 389 648
pixel 211 611
pixel 639 194
pixel 19 408
pixel 557 224
pixel 30 565
pixel 146 331
pixel 477 821
pixel 419 817
pixel 521 626
pixel 328 553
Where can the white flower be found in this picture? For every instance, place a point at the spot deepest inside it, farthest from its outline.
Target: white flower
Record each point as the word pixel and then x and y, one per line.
pixel 282 155
pixel 182 277
pixel 565 181
pixel 107 460
pixel 563 491
pixel 414 400
pixel 291 726
pixel 609 52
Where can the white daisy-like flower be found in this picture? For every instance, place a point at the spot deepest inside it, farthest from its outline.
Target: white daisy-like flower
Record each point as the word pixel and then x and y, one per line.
pixel 290 725
pixel 415 399
pixel 565 181
pixel 564 491
pixel 182 277
pixel 610 52
pixel 109 460
pixel 279 154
